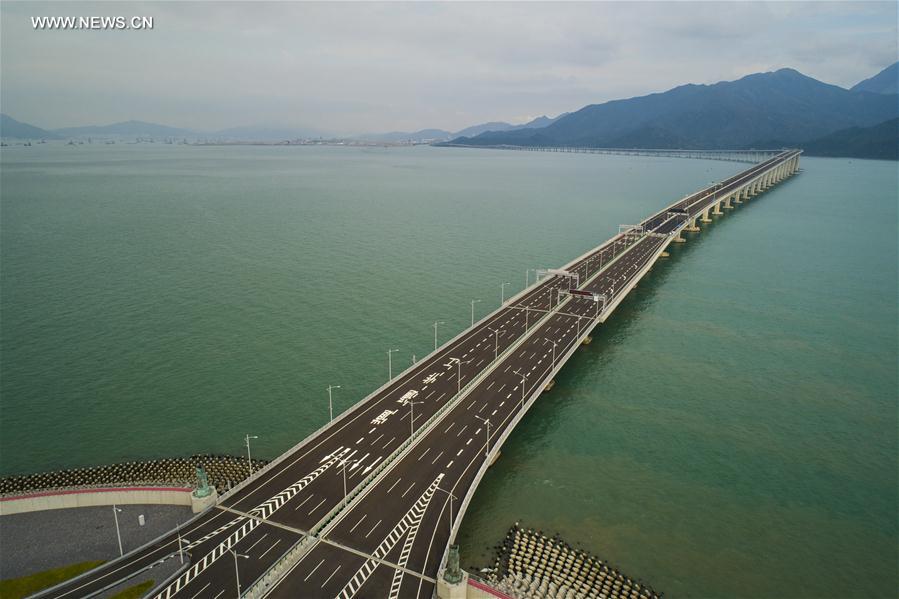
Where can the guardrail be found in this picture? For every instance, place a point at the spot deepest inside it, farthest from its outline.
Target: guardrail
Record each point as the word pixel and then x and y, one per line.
pixel 263 583
pixel 551 373
pixel 749 156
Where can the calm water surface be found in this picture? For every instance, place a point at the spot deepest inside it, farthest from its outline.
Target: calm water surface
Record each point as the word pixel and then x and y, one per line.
pixel 731 432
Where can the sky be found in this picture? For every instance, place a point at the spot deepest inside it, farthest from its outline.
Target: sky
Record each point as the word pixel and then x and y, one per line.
pixel 346 67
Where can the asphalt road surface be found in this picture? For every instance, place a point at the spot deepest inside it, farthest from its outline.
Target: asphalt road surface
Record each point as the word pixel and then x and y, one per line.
pixel 390 538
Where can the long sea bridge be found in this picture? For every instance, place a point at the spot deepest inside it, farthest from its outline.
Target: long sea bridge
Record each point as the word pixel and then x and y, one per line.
pixel 369 505
pixel 751 155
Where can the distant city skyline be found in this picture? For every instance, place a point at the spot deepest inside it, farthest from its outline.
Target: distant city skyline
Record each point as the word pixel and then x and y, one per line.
pixel 350 68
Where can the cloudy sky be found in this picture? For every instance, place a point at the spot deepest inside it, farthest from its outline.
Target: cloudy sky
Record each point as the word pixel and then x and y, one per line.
pixel 362 67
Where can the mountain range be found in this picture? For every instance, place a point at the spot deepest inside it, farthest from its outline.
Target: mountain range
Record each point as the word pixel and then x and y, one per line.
pixel 11 128
pixel 884 82
pixel 784 105
pixel 780 108
pixel 426 135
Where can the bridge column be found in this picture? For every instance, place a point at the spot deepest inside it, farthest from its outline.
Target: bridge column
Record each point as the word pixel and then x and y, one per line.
pixel 705 215
pixel 717 210
pixel 691 226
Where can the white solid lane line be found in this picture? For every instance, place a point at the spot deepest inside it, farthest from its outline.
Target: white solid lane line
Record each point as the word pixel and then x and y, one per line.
pixel 313 570
pixel 270 548
pixel 394 484
pixel 364 516
pixel 203 589
pixel 373 528
pixel 331 576
pixel 316 507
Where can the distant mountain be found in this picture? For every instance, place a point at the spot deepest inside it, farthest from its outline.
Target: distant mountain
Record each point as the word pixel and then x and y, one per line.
pixel 126 129
pixel 540 121
pixel 880 141
pixel 884 82
pixel 263 133
pixel 402 136
pixel 478 129
pixel 441 135
pixel 10 127
pixel 784 104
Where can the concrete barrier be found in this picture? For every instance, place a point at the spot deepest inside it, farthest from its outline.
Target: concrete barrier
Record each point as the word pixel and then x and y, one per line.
pixel 62 499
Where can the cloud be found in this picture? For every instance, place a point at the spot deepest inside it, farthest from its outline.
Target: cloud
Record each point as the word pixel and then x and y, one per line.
pixel 352 67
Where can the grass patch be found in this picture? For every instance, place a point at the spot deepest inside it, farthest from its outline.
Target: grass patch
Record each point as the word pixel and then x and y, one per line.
pixel 135 592
pixel 17 588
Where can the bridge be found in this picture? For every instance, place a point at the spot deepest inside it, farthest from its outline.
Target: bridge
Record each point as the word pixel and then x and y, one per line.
pixel 751 156
pixel 369 505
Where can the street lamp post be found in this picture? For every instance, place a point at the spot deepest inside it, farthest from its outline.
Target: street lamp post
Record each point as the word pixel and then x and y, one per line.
pixel 330 403
pixel 524 381
pixel 236 570
pixel 554 349
pixel 390 363
pixel 487 420
pixel 412 417
pixel 118 534
pixel 473 302
pixel 435 332
pixel 495 342
pixel 459 373
pixel 343 469
pixel 451 497
pixel 249 459
pixel 502 294
pixel 180 541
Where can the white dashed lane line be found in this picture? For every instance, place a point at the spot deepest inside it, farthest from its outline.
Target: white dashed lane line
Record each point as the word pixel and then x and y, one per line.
pixel 308 576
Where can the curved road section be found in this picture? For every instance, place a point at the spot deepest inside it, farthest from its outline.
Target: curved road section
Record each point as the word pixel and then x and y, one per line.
pixel 367 506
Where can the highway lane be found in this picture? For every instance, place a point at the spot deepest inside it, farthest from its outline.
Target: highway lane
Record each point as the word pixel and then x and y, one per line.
pixel 326 491
pixel 718 191
pixel 296 514
pixel 382 504
pixel 285 474
pixel 329 485
pixel 452 452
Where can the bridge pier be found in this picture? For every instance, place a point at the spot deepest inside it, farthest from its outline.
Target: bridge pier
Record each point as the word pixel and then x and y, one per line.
pixel 691 227
pixel 705 215
pixel 717 210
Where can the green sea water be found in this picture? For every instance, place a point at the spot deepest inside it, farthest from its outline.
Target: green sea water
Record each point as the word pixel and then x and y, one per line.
pixel 731 431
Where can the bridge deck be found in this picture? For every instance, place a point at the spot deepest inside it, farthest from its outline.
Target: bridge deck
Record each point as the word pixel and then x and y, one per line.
pixel 391 536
